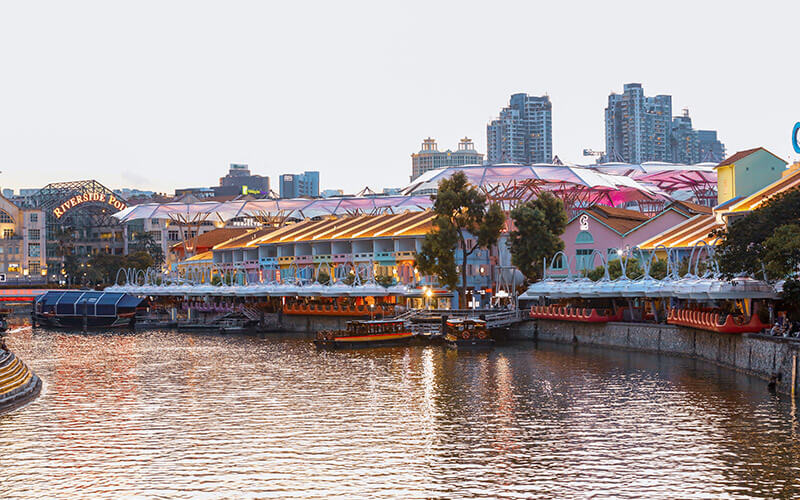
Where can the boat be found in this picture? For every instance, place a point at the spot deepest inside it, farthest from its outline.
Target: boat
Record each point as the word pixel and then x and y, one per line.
pixel 467 333
pixel 4 320
pixel 86 309
pixel 366 334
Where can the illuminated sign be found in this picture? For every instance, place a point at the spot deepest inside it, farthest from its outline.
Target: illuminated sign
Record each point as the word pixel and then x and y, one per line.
pixel 796 137
pixel 93 197
pixel 245 190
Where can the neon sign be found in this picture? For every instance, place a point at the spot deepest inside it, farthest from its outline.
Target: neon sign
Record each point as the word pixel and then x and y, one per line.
pixel 92 197
pixel 796 137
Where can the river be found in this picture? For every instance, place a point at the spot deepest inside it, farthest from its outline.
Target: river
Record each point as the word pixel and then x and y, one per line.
pixel 166 414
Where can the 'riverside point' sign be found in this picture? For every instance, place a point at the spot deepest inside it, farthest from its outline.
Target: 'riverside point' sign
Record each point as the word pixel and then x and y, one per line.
pixel 796 137
pixel 92 197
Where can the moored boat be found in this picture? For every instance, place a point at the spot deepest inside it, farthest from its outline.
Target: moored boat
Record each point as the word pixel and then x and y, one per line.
pixel 86 309
pixel 467 333
pixel 366 334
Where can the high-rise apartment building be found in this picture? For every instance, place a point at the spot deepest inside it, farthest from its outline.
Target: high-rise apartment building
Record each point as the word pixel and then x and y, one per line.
pixel 429 157
pixel 523 133
pixel 638 128
pixel 300 185
pixel 691 146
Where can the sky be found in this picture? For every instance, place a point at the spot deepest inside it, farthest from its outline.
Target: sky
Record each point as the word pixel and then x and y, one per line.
pixel 166 94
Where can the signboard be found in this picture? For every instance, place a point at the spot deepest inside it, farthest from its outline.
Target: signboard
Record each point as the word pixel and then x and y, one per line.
pixel 91 197
pixel 2 278
pixel 584 222
pixel 796 137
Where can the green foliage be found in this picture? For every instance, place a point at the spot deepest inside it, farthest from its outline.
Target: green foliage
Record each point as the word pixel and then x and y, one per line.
pixel 743 247
pixel 323 277
pixel 102 268
pixel 460 208
pixel 633 270
pixel 144 242
pixel 538 226
pixel 791 298
pixel 385 281
pixel 782 251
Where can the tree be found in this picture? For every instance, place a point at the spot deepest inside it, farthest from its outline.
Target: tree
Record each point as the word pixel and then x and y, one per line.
pixel 143 241
pixel 743 247
pixel 782 251
pixel 461 212
pixel 538 226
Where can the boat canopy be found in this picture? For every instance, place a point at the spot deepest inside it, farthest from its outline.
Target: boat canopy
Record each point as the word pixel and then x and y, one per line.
pixel 89 303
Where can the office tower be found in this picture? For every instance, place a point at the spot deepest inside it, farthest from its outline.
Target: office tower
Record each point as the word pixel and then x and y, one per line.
pixel 638 128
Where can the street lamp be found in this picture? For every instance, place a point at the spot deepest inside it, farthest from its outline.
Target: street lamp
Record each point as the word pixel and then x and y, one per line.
pixel 371 311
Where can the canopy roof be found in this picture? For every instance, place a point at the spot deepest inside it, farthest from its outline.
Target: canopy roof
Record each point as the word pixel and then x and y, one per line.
pixel 669 177
pixel 606 188
pixel 295 207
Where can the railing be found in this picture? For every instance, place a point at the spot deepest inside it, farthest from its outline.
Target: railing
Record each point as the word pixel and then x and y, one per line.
pixel 337 310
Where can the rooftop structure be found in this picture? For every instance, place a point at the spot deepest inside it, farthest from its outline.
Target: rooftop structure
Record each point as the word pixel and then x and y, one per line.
pixel 430 158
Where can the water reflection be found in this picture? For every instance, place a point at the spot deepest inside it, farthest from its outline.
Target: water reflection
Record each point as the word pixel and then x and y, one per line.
pixel 169 414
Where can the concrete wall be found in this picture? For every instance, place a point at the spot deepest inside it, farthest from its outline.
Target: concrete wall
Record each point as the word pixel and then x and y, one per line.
pixel 757 355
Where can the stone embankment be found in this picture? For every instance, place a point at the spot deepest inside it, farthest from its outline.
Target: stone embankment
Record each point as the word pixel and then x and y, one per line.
pixel 18 384
pixel 771 358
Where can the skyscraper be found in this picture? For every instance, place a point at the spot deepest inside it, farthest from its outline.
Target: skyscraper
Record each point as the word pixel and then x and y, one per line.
pixel 523 133
pixel 429 157
pixel 691 146
pixel 638 128
pixel 299 185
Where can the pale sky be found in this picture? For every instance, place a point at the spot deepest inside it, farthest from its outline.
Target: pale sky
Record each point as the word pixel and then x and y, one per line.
pixel 165 94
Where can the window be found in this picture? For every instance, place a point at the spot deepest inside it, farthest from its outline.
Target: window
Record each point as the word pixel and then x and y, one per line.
pixel 584 238
pixel 5 218
pixel 172 235
pixel 558 263
pixel 36 268
pixel 583 259
pixel 34 218
pixel 8 233
pixel 34 234
pixel 34 250
pixel 156 235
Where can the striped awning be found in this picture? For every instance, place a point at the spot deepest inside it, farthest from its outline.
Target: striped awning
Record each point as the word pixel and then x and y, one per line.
pixel 686 234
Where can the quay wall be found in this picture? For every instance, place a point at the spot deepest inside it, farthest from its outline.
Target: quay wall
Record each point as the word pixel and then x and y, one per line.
pixel 306 323
pixel 760 355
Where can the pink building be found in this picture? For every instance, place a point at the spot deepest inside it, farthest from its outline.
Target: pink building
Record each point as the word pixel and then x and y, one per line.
pixel 608 230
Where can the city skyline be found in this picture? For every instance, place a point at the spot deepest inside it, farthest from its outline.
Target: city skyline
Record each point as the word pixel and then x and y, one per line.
pixel 127 113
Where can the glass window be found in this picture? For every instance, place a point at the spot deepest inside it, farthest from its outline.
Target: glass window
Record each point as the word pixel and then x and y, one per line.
pixel 583 259
pixel 558 263
pixel 8 233
pixel 34 218
pixel 34 234
pixel 583 238
pixel 34 250
pixel 5 218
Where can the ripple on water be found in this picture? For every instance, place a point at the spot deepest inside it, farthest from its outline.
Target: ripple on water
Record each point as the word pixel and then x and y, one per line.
pixel 165 414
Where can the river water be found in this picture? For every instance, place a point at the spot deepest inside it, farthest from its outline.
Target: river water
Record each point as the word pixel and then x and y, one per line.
pixel 166 414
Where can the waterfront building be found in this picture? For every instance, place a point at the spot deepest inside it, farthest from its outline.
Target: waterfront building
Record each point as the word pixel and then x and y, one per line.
pixel 429 157
pixel 389 243
pixel 201 243
pixel 523 132
pixel 746 180
pixel 611 231
pixel 23 244
pixel 305 185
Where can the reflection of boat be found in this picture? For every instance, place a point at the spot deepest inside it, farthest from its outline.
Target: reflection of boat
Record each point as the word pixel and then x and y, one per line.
pixel 90 309
pixel 366 334
pixel 468 333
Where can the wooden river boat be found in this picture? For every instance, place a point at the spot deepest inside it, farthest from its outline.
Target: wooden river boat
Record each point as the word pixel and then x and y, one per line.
pixel 366 334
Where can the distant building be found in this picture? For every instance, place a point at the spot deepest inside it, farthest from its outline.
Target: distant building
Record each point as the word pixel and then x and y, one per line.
pixel 523 133
pixel 23 244
pixel 133 193
pixel 429 157
pixel 638 128
pixel 201 192
pixel 239 180
pixel 328 193
pixel 691 146
pixel 299 185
